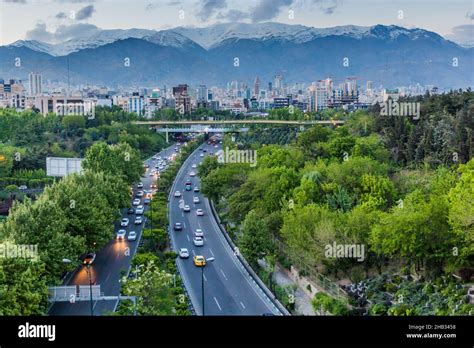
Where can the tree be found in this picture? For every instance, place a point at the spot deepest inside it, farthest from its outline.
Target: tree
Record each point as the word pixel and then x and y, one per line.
pixel 419 232
pixel 461 213
pixel 120 160
pixel 153 288
pixel 254 241
pixel 23 290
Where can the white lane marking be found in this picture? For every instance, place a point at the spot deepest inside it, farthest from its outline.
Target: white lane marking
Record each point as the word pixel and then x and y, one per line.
pixel 204 276
pixel 210 250
pixel 194 254
pixel 184 224
pixel 199 224
pixel 241 303
pixel 218 305
pixel 224 274
pixel 188 238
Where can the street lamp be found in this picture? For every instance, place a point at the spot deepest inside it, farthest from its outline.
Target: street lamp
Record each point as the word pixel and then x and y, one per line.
pixel 211 259
pixel 88 266
pixel 90 282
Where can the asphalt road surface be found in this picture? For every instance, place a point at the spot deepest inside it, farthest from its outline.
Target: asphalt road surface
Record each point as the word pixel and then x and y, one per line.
pixel 114 257
pixel 228 289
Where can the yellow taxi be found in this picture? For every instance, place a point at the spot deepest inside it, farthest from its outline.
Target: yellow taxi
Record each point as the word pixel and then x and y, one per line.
pixel 199 261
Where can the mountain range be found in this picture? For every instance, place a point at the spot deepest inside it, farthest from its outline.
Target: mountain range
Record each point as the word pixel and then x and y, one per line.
pixel 388 55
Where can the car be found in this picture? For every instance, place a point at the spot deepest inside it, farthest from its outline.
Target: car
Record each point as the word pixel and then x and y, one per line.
pixel 196 200
pixel 153 186
pixel 131 211
pixel 196 189
pixel 152 173
pixel 87 259
pixel 121 234
pixel 200 212
pixel 139 194
pixel 124 222
pixel 188 182
pixel 199 261
pixel 183 253
pixel 186 208
pixel 139 210
pixel 146 165
pixel 188 188
pixel 198 241
pixel 136 201
pixel 199 233
pixel 201 155
pixel 194 166
pixel 147 201
pixel 216 146
pixel 140 185
pixel 192 174
pixel 177 194
pixel 23 187
pixel 204 150
pixel 132 235
pixel 178 226
pixel 138 220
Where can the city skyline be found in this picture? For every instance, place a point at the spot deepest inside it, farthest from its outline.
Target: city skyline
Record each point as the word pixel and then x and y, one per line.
pixel 55 21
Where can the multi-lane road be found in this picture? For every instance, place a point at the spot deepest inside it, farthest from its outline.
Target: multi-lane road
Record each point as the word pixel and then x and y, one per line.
pixel 113 258
pixel 228 288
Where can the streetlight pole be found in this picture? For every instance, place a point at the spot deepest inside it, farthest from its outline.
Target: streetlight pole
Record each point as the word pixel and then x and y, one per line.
pixel 90 287
pixel 202 288
pixel 211 259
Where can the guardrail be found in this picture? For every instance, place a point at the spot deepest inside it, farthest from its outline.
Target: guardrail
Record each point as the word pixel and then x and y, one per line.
pixel 246 265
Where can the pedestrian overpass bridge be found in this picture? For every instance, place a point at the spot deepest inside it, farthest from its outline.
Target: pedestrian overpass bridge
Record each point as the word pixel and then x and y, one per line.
pixel 238 122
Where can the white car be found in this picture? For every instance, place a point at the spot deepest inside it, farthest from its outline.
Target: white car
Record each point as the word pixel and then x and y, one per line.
pixel 136 201
pixel 124 222
pixel 187 208
pixel 140 185
pixel 139 210
pixel 121 234
pixel 198 241
pixel 201 155
pixel 183 253
pixel 200 212
pixel 132 235
pixel 199 233
pixel 194 166
pixel 138 220
pixel 196 189
pixel 196 200
pixel 192 174
pixel 139 194
pixel 177 194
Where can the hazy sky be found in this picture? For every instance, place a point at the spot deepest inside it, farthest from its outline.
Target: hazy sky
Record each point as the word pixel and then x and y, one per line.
pixel 50 20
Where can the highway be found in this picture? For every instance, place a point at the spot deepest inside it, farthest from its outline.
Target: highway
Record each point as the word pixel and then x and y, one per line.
pixel 114 257
pixel 228 289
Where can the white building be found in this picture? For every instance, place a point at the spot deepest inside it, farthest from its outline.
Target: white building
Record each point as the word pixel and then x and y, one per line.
pixel 35 84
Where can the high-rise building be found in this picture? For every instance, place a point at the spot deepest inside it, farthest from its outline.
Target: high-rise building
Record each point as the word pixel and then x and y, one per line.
pixel 202 95
pixel 278 81
pixel 35 83
pixel 256 87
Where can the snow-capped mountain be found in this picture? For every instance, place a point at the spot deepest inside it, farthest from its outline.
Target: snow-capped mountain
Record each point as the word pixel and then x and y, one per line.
pixel 214 35
pixel 388 55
